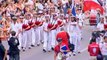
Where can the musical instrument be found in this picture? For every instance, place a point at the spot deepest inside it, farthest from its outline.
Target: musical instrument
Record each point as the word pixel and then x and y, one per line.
pixel 26 27
pixel 55 26
pixel 32 24
pixel 50 26
pixel 38 23
pixel 60 23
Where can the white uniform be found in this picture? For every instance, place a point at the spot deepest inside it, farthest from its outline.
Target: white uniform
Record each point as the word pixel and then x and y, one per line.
pixel 46 37
pixel 20 35
pixel 33 35
pixel 37 33
pixel 53 35
pixel 26 36
pixel 100 26
pixel 14 27
pixel 29 35
pixel 41 31
pixel 74 36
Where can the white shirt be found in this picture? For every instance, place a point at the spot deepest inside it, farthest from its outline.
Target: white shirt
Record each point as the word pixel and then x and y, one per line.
pixel 100 26
pixel 103 48
pixel 45 26
pixel 14 27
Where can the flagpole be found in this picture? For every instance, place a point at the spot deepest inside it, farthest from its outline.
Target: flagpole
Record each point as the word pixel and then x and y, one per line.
pixel 82 2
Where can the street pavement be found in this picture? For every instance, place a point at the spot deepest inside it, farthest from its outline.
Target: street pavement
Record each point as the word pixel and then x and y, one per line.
pixel 36 53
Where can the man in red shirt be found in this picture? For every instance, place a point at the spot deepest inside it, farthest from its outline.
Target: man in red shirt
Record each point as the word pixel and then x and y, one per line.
pixel 64 35
pixel 93 50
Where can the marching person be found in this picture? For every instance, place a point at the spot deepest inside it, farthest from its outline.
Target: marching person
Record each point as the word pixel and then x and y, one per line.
pixel 54 30
pixel 38 28
pixel 100 25
pixel 47 39
pixel 29 31
pixel 14 25
pixel 14 52
pixel 32 25
pixel 19 35
pixel 26 33
pixel 75 35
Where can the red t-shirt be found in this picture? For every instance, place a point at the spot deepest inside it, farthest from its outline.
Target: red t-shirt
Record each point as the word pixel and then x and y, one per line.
pixel 93 49
pixel 64 37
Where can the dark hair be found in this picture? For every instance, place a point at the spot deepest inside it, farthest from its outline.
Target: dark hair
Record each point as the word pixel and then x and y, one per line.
pixel 105 37
pixel 93 39
pixel 59 39
pixel 13 33
pixel 0 41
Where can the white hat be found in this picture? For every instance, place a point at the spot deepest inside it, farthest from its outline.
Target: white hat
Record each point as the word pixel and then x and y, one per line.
pixel 47 15
pixel 40 12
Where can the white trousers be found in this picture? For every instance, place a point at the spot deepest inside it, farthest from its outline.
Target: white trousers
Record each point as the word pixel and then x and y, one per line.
pixel 24 39
pixel 41 33
pixel 29 37
pixel 75 39
pixel 33 36
pixel 53 42
pixel 47 41
pixel 37 35
pixel 20 40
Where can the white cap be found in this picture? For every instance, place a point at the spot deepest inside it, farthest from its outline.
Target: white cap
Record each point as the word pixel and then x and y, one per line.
pixel 47 15
pixel 40 11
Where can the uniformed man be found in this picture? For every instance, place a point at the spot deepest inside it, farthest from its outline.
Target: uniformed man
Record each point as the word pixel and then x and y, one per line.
pixel 46 29
pixel 74 35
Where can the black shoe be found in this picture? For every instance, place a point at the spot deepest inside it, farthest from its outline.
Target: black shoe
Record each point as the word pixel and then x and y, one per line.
pixel 21 47
pixel 38 44
pixel 52 48
pixel 74 54
pixel 79 52
pixel 42 42
pixel 49 51
pixel 29 47
pixel 32 45
pixel 23 50
pixel 44 50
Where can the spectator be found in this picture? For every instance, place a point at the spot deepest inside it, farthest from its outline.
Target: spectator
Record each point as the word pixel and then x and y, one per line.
pixel 93 49
pixel 103 48
pixel 13 47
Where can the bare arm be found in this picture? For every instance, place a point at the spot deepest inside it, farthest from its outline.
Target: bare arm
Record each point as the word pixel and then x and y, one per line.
pixel 55 55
